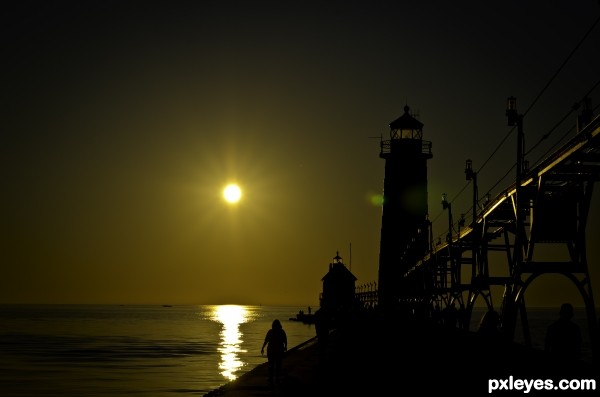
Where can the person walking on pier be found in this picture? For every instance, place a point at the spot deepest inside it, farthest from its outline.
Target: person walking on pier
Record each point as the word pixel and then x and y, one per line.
pixel 563 337
pixel 276 342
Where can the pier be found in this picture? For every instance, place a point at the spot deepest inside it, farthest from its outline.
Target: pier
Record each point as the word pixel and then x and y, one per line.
pixel 506 244
pixel 384 338
pixel 382 358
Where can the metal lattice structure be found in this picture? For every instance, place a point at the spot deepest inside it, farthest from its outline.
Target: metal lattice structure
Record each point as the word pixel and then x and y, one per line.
pixel 545 211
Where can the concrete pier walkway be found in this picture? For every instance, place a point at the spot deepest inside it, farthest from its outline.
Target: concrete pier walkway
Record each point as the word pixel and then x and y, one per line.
pixel 395 359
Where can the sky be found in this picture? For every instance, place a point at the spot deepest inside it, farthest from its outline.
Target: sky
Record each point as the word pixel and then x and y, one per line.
pixel 122 122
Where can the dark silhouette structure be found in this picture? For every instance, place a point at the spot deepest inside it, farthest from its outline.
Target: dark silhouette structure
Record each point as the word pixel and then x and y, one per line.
pixel 322 328
pixel 404 221
pixel 506 244
pixel 563 337
pixel 338 294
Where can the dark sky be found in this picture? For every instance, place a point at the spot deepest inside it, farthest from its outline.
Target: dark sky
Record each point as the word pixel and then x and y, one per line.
pixel 122 121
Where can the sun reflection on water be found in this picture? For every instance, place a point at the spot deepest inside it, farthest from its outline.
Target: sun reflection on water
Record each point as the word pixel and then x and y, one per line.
pixel 231 316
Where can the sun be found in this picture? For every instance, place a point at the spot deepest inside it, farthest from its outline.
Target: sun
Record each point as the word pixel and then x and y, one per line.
pixel 232 193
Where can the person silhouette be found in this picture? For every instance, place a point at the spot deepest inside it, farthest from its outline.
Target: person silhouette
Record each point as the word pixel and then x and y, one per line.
pixel 489 323
pixel 276 342
pixel 563 337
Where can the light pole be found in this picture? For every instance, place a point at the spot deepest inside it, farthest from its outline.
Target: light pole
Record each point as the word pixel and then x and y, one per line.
pixel 509 318
pixel 472 176
pixel 453 277
pixel 447 205
pixel 514 118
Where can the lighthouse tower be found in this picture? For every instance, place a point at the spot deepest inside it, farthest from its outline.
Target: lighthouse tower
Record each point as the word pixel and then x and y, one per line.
pixel 404 222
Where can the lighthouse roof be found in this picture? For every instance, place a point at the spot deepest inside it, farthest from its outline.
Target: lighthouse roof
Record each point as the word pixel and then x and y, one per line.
pixel 406 122
pixel 338 271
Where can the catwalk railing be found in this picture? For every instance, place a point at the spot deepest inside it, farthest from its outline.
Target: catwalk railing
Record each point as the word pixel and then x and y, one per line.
pixel 532 228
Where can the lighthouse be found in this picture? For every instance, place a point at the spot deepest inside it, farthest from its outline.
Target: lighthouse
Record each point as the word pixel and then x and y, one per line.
pixel 404 221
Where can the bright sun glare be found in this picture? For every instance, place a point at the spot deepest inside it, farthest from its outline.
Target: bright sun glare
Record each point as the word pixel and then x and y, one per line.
pixel 232 193
pixel 231 316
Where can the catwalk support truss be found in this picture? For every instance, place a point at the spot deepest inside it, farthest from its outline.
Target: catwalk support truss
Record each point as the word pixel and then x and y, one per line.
pixel 534 227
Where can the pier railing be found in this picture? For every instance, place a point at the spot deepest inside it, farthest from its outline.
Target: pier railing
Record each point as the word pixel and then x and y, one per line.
pixel 366 295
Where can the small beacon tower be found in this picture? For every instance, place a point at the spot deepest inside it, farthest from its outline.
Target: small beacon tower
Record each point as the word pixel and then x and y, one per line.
pixel 404 221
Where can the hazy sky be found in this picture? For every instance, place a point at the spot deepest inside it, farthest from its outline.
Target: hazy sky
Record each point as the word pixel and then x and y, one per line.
pixel 122 121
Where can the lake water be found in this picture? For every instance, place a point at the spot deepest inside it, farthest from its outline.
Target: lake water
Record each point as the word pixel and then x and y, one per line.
pixel 88 350
pixel 82 350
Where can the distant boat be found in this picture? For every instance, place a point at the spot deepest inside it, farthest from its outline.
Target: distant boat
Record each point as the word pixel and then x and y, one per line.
pixel 167 306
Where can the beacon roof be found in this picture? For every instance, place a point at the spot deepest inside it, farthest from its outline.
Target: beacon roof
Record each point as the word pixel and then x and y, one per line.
pixel 406 122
